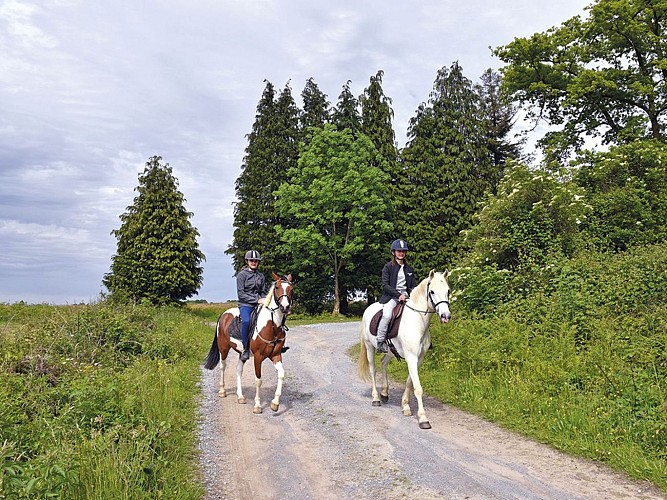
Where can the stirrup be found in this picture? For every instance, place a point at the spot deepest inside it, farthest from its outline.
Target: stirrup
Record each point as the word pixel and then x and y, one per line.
pixel 245 355
pixel 382 346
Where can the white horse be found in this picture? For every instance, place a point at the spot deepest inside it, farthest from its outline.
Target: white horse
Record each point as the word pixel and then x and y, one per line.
pixel 267 341
pixel 430 297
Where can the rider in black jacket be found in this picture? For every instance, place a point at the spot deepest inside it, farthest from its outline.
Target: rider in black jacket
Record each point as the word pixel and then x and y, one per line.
pixel 398 280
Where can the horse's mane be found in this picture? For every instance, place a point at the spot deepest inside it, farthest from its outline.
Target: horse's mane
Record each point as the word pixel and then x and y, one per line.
pixel 269 296
pixel 420 290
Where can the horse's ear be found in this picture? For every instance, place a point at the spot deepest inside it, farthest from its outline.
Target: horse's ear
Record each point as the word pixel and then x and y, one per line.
pixel 431 274
pixel 275 276
pixel 447 273
pixel 289 277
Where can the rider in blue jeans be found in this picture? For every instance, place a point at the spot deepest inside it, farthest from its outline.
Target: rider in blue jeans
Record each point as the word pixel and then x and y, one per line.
pixel 251 290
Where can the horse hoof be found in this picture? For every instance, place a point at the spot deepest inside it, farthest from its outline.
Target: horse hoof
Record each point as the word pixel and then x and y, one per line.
pixel 274 407
pixel 257 410
pixel 376 403
pixel 424 425
pixel 384 398
pixel 408 412
pixel 242 400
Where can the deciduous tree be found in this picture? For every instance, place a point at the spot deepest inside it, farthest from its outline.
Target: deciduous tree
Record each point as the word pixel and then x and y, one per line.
pixel 337 196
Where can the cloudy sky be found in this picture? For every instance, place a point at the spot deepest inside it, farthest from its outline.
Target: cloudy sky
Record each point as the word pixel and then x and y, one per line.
pixel 91 89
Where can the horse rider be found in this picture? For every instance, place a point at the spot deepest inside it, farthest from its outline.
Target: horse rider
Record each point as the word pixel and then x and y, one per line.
pixel 398 280
pixel 251 290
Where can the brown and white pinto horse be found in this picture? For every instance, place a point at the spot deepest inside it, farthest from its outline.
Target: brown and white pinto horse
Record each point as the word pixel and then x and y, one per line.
pixel 268 339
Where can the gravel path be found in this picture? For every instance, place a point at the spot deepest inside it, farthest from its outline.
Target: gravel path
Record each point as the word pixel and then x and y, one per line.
pixel 327 442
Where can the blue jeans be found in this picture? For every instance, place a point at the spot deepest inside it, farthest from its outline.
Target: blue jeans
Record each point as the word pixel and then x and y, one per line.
pixel 246 311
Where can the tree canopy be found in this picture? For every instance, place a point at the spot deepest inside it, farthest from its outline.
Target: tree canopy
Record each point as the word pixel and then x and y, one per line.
pixel 337 197
pixel 602 76
pixel 158 257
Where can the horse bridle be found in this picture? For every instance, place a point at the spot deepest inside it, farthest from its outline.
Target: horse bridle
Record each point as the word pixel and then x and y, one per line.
pixel 429 299
pixel 277 300
pixel 279 297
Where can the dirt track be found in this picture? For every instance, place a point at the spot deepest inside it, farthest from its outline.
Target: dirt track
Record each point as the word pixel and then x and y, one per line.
pixel 327 442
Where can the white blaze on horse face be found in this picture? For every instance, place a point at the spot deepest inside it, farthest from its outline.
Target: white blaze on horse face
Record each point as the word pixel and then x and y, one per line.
pixel 284 298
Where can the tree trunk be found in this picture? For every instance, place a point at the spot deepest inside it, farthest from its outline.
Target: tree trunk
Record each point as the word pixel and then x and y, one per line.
pixel 336 307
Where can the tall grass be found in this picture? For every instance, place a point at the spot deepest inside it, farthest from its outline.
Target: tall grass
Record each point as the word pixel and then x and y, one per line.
pixel 99 401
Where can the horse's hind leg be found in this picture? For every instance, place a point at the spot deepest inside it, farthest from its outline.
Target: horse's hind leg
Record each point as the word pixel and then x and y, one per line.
pixel 370 356
pixel 275 403
pixel 239 383
pixel 384 390
pixel 223 365
pixel 405 400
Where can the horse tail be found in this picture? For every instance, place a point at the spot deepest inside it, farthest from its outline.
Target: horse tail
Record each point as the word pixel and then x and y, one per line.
pixel 362 365
pixel 213 357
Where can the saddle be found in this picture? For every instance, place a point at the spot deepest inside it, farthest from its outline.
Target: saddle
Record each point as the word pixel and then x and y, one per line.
pixel 394 321
pixel 235 325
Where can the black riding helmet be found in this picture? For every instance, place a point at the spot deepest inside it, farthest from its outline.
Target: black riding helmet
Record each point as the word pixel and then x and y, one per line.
pixel 399 245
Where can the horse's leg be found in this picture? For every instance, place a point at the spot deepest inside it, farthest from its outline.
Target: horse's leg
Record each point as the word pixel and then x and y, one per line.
pixel 370 354
pixel 275 403
pixel 223 365
pixel 405 400
pixel 239 382
pixel 258 383
pixel 384 391
pixel 416 384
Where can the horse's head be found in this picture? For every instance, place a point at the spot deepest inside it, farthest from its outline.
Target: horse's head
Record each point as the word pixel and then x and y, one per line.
pixel 438 294
pixel 282 293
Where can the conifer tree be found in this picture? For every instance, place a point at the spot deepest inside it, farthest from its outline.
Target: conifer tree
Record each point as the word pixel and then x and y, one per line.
pixel 376 124
pixel 158 257
pixel 272 149
pixel 446 170
pixel 345 114
pixel 315 106
pixel 500 115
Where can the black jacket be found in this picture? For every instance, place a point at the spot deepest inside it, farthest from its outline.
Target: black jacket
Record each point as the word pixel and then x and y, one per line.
pixel 390 277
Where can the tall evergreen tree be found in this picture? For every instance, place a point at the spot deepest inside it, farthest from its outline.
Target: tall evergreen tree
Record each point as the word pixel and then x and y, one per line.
pixel 376 123
pixel 272 149
pixel 315 106
pixel 158 257
pixel 376 119
pixel 345 114
pixel 446 170
pixel 500 115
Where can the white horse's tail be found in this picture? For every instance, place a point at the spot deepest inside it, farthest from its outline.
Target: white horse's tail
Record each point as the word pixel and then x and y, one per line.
pixel 362 365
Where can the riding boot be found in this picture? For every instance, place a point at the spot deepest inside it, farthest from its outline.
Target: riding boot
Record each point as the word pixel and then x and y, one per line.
pixel 245 355
pixel 382 333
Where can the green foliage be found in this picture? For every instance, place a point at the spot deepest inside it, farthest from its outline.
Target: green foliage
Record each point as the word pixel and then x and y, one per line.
pixel 598 76
pixel 272 150
pixel 446 169
pixel 99 401
pixel 345 114
pixel 158 257
pixel 627 188
pixel 315 107
pixel 532 218
pixel 336 197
